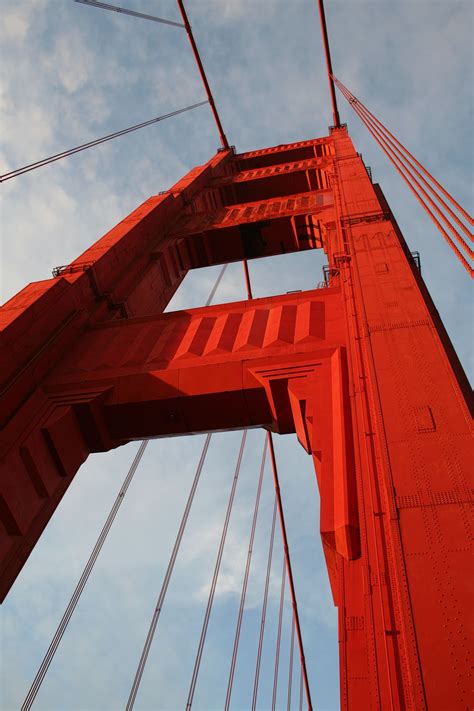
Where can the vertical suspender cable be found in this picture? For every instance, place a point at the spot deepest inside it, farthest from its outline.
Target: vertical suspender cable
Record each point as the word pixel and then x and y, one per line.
pixel 278 643
pixel 216 285
pixel 38 680
pixel 174 554
pixel 289 570
pixel 207 615
pixel 301 689
pixel 264 612
pixel 246 578
pixel 58 635
pixel 278 503
pixel 166 580
pixel 247 279
pixel 290 672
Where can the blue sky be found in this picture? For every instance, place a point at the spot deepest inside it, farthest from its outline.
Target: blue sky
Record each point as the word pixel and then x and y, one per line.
pixel 72 73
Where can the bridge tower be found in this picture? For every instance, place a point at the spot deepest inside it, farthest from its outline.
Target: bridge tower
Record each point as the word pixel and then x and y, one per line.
pixel 361 370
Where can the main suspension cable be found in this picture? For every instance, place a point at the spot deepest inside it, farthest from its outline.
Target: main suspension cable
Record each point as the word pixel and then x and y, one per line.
pixel 210 98
pixel 397 159
pixel 246 579
pixel 411 181
pixel 125 11
pixel 90 144
pixel 197 663
pixel 44 666
pixel 264 611
pixel 443 190
pixel 396 156
pixel 385 135
pixel 327 54
pixel 278 642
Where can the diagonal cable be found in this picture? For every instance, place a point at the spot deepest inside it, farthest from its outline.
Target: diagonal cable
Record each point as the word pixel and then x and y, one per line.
pixel 44 666
pixel 84 146
pixel 125 11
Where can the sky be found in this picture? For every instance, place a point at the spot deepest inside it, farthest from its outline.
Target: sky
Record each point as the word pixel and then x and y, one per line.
pixel 71 73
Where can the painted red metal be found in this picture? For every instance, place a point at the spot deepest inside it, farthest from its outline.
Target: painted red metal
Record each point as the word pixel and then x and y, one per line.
pixel 202 73
pixel 362 371
pixel 327 54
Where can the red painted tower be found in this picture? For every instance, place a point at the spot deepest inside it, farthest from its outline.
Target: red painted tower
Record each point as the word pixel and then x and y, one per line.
pixel 362 370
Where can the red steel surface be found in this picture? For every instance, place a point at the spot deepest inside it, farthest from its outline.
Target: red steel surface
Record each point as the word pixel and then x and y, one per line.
pixel 362 371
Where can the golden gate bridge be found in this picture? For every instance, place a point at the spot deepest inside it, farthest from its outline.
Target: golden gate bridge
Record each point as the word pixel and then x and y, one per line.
pixel 361 369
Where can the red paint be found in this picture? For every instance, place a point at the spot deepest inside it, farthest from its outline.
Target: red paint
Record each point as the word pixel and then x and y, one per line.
pixel 362 371
pixel 202 73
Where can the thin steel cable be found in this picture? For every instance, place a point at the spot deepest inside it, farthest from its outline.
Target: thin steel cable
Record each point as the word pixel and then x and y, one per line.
pixel 44 666
pixel 174 554
pixel 84 146
pixel 399 168
pixel 408 167
pixel 125 11
pixel 289 569
pixel 41 673
pixel 197 663
pixel 301 689
pixel 443 190
pixel 290 671
pixel 216 285
pixel 166 580
pixel 286 549
pixel 264 611
pixel 246 578
pixel 278 642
